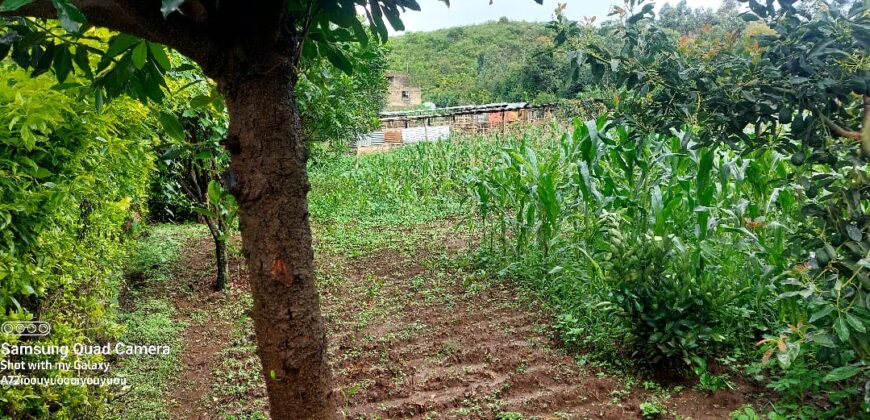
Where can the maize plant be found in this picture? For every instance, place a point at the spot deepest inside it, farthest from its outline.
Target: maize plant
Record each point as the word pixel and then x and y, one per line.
pixel 673 239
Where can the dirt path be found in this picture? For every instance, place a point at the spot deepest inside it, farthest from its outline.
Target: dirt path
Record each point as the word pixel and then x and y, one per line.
pixel 411 334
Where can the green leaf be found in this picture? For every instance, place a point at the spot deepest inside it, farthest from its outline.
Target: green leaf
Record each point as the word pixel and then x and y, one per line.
pixel 70 17
pixel 200 101
pixel 823 340
pixel 140 54
pixel 27 289
pixel 12 5
pixel 99 99
pixel 172 126
pixel 843 372
pixel 783 359
pixel 748 17
pixel 338 59
pixel 62 63
pixel 42 173
pixel 854 233
pixel 203 211
pixel 394 18
pixel 856 323
pixel 214 192
pixel 821 313
pixel 172 153
pixel 43 64
pixel 376 20
pixel 82 61
pixel 159 56
pixel 121 43
pixel 841 329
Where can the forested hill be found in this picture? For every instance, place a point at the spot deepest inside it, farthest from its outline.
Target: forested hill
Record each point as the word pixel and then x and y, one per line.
pixel 495 61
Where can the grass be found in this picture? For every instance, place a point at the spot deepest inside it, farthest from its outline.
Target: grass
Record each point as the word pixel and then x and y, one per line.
pixel 150 319
pixel 151 323
pixel 158 252
pixel 238 376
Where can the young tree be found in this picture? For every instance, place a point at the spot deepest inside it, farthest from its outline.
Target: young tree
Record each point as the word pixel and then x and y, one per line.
pixel 191 166
pixel 252 51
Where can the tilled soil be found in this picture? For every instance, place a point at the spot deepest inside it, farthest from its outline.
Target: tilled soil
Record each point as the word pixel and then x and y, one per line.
pixel 413 335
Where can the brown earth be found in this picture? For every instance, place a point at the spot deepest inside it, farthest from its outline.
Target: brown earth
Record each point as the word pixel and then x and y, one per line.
pixel 411 335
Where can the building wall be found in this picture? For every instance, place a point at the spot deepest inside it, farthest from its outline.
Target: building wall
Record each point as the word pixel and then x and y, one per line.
pixel 405 97
pixel 401 93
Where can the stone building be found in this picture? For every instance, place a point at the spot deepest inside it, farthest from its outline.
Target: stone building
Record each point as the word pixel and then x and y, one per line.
pixel 401 93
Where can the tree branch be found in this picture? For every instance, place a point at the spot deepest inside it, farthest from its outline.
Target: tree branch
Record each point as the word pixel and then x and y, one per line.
pixel 138 18
pixel 840 131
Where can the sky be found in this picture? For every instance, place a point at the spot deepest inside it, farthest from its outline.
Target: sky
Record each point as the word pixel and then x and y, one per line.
pixel 435 15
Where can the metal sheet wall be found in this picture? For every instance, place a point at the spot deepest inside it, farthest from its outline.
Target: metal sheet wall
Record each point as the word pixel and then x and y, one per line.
pixel 405 136
pixel 375 138
pixel 426 133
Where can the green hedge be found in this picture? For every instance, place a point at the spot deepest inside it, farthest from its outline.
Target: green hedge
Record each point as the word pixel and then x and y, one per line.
pixel 71 184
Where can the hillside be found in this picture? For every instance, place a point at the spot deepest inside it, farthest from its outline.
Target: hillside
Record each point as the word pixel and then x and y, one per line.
pixel 494 61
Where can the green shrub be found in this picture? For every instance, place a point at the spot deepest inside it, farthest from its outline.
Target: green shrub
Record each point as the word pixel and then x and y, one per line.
pixel 71 184
pixel 671 311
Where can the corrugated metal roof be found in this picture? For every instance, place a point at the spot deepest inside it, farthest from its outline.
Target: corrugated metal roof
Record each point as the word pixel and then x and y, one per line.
pixel 425 133
pixel 458 110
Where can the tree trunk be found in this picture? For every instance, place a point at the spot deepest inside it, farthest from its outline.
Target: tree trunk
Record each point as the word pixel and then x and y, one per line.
pixel 220 254
pixel 268 177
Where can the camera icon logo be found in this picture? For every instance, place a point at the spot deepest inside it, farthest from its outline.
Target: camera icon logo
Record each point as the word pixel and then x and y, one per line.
pixel 26 328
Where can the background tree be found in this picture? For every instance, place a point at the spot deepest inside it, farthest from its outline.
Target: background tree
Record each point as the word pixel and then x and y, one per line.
pixel 472 64
pixel 795 80
pixel 337 107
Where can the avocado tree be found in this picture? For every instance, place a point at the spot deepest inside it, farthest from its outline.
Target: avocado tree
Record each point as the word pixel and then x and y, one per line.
pixel 796 79
pixel 252 51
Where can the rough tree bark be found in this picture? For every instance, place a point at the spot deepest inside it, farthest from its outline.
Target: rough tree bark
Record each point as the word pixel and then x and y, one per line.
pixel 268 160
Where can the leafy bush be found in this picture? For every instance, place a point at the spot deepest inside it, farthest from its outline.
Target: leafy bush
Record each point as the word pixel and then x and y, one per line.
pixel 72 183
pixel 670 310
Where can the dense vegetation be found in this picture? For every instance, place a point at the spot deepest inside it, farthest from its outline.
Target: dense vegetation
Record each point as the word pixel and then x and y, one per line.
pixel 795 81
pixel 81 183
pixel 727 205
pixel 605 228
pixel 254 53
pixel 73 184
pixel 491 62
pixel 510 61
